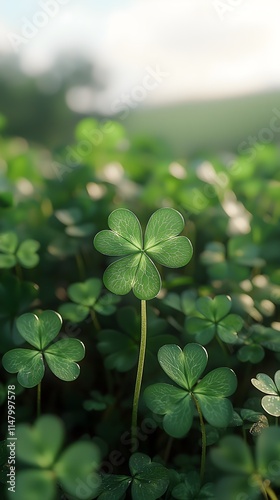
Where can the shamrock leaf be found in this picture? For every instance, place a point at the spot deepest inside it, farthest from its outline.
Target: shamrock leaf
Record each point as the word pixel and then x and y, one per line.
pixel 271 402
pixel 256 338
pixel 178 404
pixel 191 489
pixel 247 474
pixel 39 331
pixel 148 480
pixel 86 298
pixel 48 468
pixel 12 253
pixel 213 319
pixel 136 270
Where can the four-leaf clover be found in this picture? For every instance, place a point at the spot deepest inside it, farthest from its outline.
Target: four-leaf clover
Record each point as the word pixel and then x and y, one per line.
pixel 177 404
pixel 136 270
pixel 39 331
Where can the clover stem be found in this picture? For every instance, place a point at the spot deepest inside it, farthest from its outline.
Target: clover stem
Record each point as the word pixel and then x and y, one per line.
pixel 168 449
pixel 269 491
pixel 39 399
pixel 222 345
pixel 140 367
pixel 203 438
pixel 95 320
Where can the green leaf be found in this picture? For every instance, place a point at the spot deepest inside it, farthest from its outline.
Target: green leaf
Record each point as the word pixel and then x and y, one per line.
pixel 268 453
pixel 164 224
pixel 61 358
pixel 221 382
pixel 217 411
pixel 39 330
pixel 34 484
pixel 214 309
pixel 175 404
pixel 75 470
pixel 252 353
pixel 203 329
pixel 8 242
pixel 120 275
pixel 135 272
pixel 233 455
pixel 27 255
pixel 183 367
pixel 125 223
pixel 85 293
pixel 38 445
pixel 114 487
pixel 175 252
pixel 28 363
pixel 150 479
pixel 109 243
pixel 7 261
pixel 73 312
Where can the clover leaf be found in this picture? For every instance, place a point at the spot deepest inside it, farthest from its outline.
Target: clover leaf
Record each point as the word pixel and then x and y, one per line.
pixel 191 489
pixel 148 480
pixel 39 331
pixel 256 338
pixel 11 252
pixel 177 404
pixel 248 475
pixel 136 270
pixel 39 447
pixel 212 318
pixel 86 298
pixel 270 402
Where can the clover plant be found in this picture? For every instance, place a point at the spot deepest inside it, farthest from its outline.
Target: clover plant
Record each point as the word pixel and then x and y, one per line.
pixel 13 253
pixel 255 340
pixel 148 480
pixel 87 300
pixel 135 270
pixel 39 330
pixel 207 395
pixel 45 469
pixel 212 319
pixel 248 475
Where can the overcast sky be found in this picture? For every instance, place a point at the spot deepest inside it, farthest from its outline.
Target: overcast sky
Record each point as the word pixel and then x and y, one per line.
pixel 208 48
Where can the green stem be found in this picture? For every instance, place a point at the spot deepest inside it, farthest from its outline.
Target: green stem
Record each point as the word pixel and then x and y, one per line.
pixel 39 399
pixel 203 439
pixel 270 493
pixel 95 320
pixel 140 367
pixel 168 449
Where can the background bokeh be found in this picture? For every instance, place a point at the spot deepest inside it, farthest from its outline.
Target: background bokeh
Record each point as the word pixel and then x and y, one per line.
pixel 216 64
